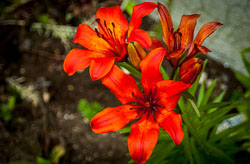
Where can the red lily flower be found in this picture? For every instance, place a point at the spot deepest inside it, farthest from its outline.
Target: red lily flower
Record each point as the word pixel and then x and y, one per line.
pixel 154 107
pixel 179 41
pixel 109 44
pixel 190 69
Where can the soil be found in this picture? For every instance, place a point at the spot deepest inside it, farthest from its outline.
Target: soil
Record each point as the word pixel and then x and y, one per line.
pixel 36 130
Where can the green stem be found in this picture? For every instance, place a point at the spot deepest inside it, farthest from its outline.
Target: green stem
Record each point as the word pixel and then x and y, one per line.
pixel 175 73
pixel 131 69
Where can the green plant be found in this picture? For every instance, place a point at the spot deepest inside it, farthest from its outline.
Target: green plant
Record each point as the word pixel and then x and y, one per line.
pixel 88 110
pixel 6 109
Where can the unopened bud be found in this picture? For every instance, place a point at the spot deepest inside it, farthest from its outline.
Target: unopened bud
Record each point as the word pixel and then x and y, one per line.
pixel 190 70
pixel 136 53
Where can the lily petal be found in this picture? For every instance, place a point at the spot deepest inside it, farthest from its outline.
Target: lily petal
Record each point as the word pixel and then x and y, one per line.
pixel 167 26
pixel 143 138
pixel 122 85
pixel 77 59
pixel 140 11
pixel 100 67
pixel 205 31
pixel 171 122
pixel 115 21
pixel 113 118
pixel 150 68
pixel 186 28
pixel 88 38
pixel 141 37
pixel 169 92
pixel 156 43
pixel 175 57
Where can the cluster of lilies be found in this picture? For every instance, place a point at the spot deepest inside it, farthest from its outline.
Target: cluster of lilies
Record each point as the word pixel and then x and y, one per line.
pixel 151 105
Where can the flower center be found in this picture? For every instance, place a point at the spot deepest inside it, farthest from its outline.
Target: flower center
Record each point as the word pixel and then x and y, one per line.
pixel 110 37
pixel 149 102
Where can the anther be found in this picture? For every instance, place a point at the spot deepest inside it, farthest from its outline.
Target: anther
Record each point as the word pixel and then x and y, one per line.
pixel 113 24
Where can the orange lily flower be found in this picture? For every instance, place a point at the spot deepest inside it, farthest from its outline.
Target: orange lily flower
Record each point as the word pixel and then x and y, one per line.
pixel 179 41
pixel 190 69
pixel 154 107
pixel 109 43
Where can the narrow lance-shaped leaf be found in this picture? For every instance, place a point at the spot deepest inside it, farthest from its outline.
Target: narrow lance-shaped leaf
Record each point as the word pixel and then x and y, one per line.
pixel 201 94
pixel 244 59
pixel 195 107
pixel 186 145
pixel 208 93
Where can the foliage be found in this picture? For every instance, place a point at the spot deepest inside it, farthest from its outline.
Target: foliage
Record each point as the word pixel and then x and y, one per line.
pixel 6 109
pixel 88 110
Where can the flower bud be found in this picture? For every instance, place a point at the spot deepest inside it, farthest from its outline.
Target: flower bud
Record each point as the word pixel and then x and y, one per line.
pixel 190 69
pixel 136 53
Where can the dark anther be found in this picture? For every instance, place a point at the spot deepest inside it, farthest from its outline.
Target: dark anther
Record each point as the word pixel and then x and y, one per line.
pixel 105 24
pixel 110 31
pixel 97 20
pixel 133 94
pixel 113 24
pixel 97 32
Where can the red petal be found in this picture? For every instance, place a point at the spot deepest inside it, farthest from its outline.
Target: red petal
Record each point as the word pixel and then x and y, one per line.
pixel 100 67
pixel 113 15
pixel 122 85
pixel 190 69
pixel 187 25
pixel 167 26
pixel 77 59
pixel 141 37
pixel 156 43
pixel 143 138
pixel 171 122
pixel 113 118
pixel 140 11
pixel 205 31
pixel 89 39
pixel 150 68
pixel 175 57
pixel 169 92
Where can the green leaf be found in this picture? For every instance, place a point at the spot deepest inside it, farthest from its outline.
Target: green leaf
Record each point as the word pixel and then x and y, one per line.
pixel 213 105
pixel 192 90
pixel 164 74
pixel 125 130
pixel 201 94
pixel 217 152
pixel 225 133
pixel 57 152
pixel 195 107
pixel 129 7
pixel 41 160
pixel 194 150
pixel 192 129
pixel 11 102
pixel 219 113
pixel 131 69
pixel 186 145
pixel 208 93
pixel 88 110
pixel 244 80
pixel 181 104
pixel 244 59
pixel 217 99
pixel 213 122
